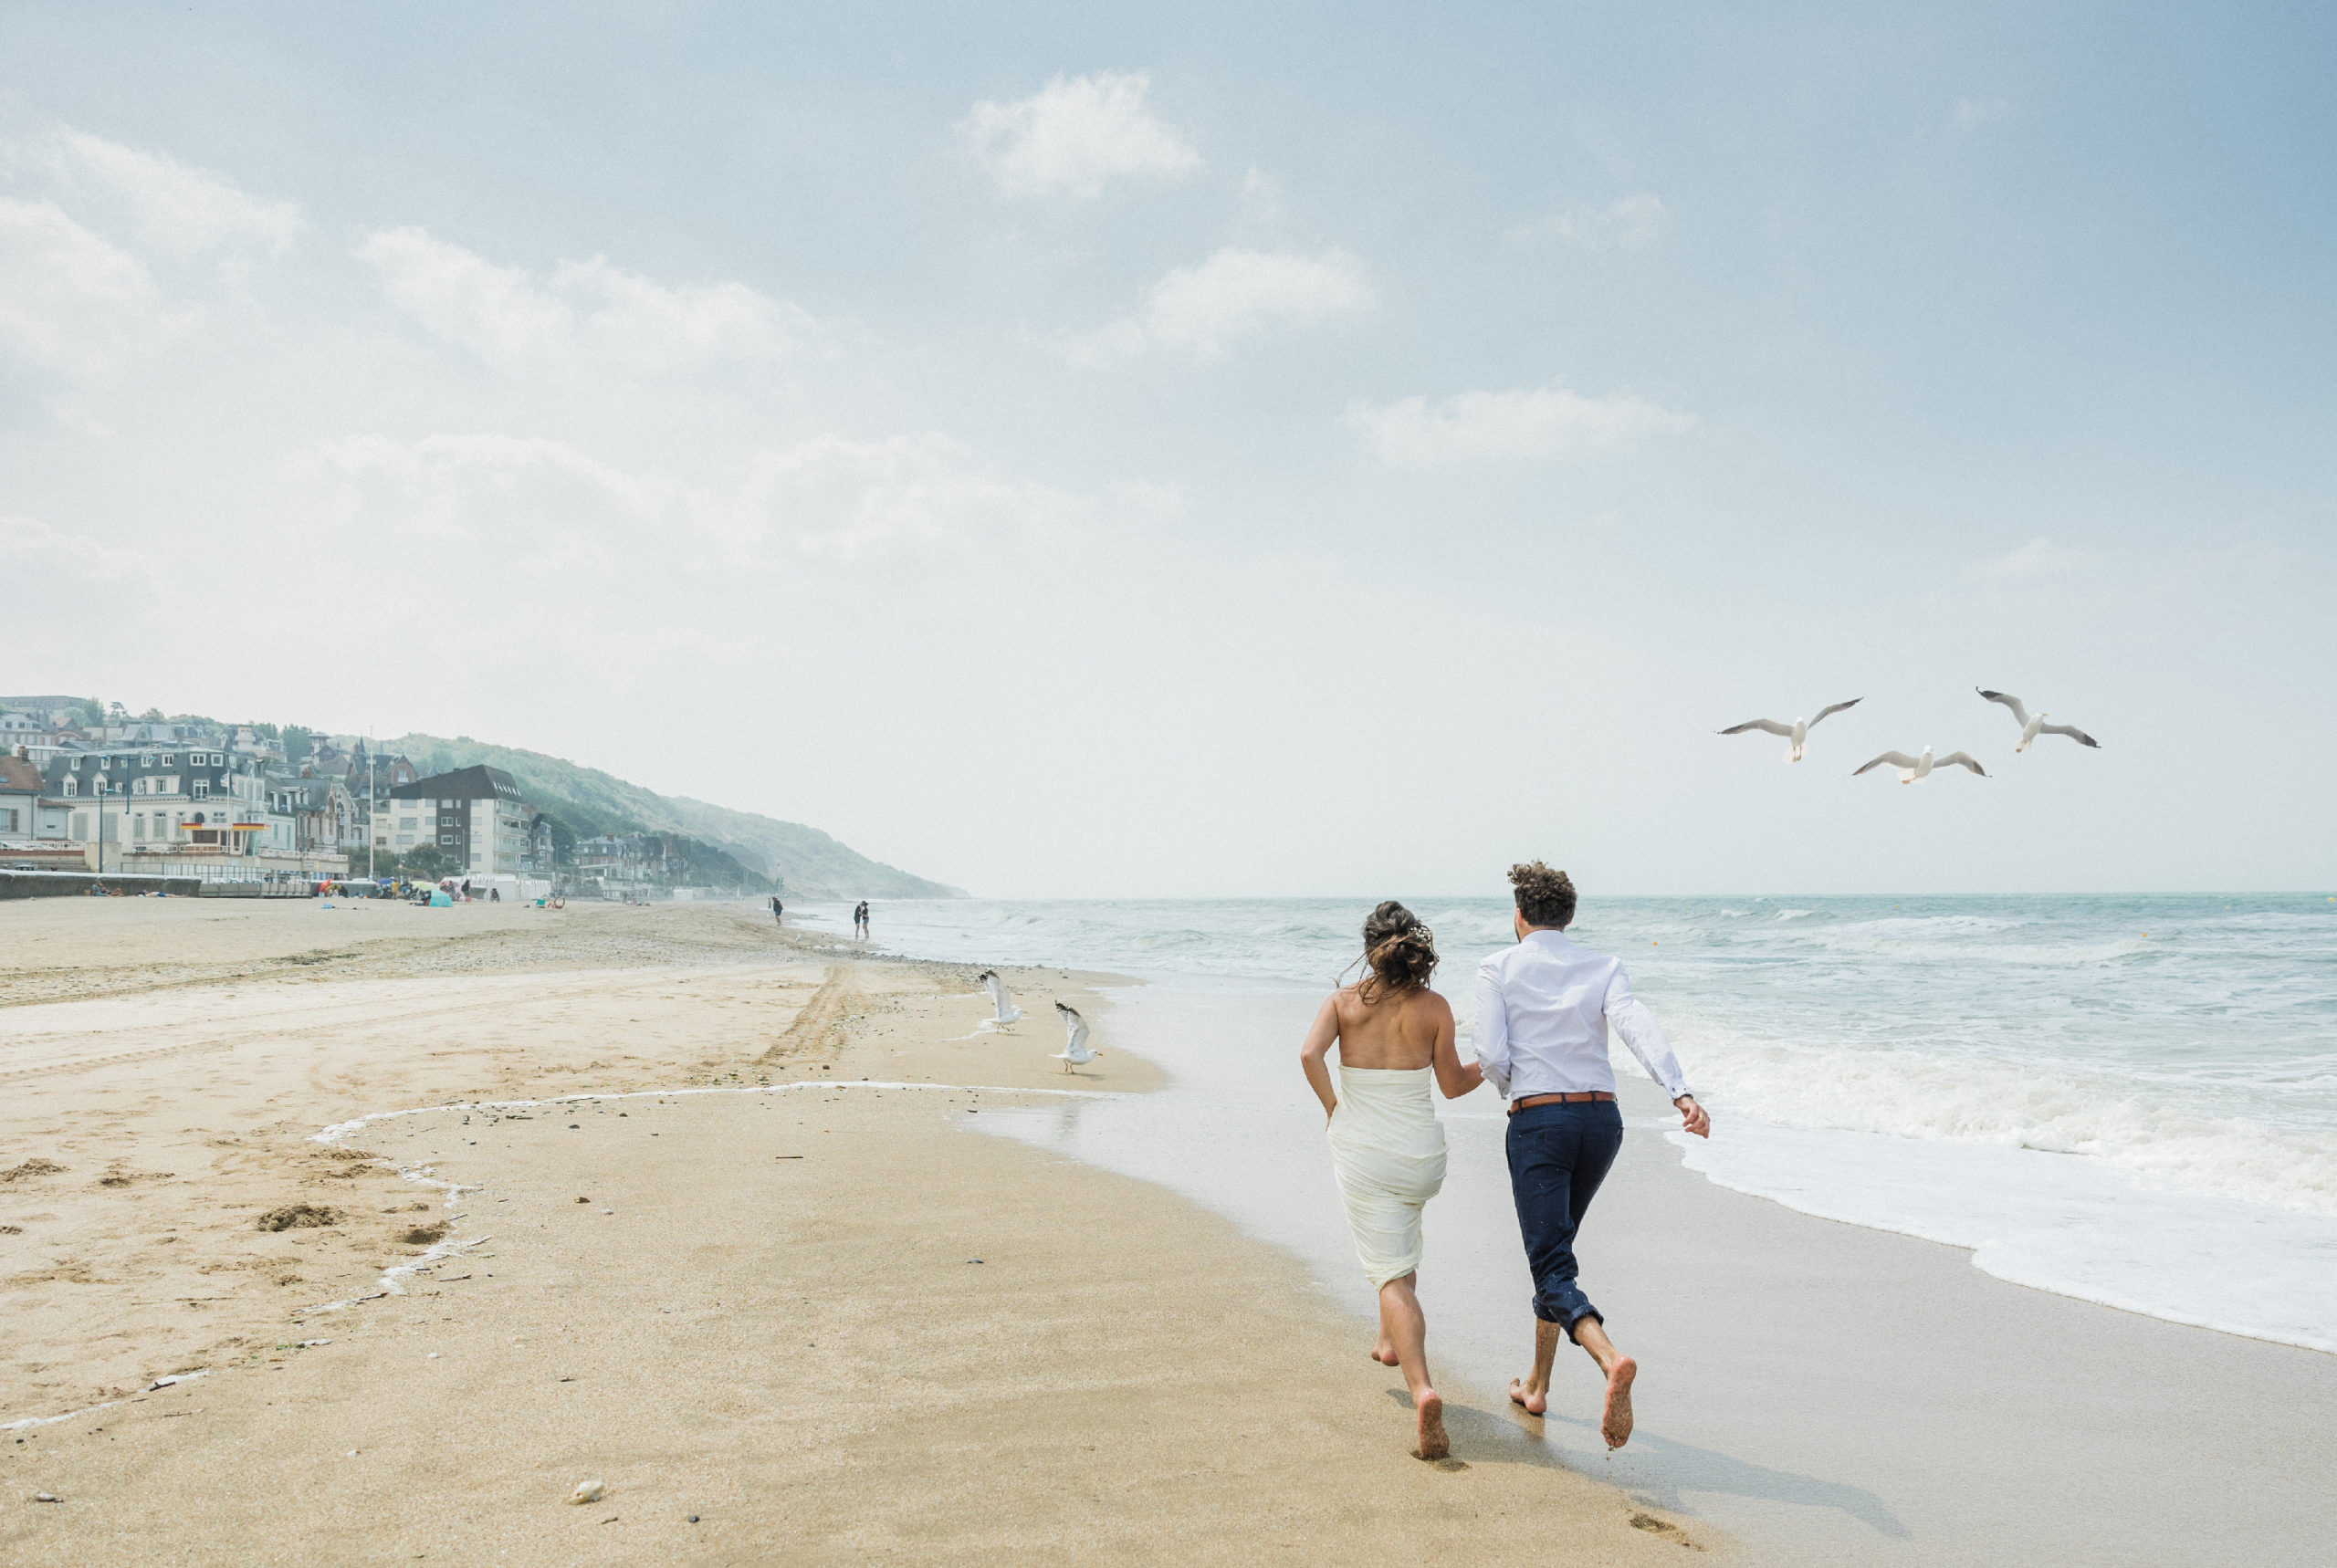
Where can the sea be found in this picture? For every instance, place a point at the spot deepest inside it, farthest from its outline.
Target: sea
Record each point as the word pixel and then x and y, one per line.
pixel 2130 1100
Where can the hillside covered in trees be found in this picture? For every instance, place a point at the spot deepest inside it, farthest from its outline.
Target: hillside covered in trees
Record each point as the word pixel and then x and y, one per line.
pixel 585 801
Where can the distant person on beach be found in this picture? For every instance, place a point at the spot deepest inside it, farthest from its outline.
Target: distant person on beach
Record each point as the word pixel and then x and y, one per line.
pixel 860 921
pixel 778 911
pixel 1394 1035
pixel 1544 1008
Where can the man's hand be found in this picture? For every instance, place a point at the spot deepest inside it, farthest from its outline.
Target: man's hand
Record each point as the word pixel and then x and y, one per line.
pixel 1692 1116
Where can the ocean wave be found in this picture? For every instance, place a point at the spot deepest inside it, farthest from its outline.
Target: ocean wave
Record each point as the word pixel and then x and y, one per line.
pixel 1912 1094
pixel 1870 944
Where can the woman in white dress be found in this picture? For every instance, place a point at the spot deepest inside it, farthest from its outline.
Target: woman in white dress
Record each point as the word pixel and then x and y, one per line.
pixel 1393 1035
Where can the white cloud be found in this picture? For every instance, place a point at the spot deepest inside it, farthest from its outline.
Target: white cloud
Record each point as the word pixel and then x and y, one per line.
pixel 69 300
pixel 1075 137
pixel 2039 557
pixel 172 205
pixel 827 499
pixel 584 309
pixel 1237 294
pixel 35 550
pixel 1531 425
pixel 1630 223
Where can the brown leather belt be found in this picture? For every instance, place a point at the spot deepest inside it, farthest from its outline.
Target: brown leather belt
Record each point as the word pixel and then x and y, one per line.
pixel 1585 1098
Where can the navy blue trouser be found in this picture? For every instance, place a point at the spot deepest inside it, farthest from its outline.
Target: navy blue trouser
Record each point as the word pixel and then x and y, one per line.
pixel 1559 1153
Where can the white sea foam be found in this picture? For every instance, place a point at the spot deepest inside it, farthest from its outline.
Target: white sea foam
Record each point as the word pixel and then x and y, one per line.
pixel 1910 1094
pixel 2075 1227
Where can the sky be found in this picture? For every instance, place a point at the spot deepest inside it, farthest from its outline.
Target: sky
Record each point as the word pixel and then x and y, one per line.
pixel 1215 450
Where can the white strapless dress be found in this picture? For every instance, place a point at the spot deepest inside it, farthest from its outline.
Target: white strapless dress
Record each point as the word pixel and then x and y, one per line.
pixel 1388 1147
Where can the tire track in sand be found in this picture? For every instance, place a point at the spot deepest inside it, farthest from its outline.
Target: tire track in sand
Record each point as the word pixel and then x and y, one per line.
pixel 820 1028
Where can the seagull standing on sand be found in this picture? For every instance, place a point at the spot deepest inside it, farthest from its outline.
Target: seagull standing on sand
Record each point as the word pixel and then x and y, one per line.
pixel 2030 729
pixel 1001 1001
pixel 1915 770
pixel 1796 732
pixel 1075 1052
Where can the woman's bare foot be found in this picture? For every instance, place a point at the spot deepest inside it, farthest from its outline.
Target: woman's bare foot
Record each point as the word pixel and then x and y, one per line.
pixel 1434 1444
pixel 1614 1421
pixel 1384 1353
pixel 1533 1401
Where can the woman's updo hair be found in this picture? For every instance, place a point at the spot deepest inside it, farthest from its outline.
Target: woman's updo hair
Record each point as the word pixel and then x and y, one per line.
pixel 1545 897
pixel 1401 951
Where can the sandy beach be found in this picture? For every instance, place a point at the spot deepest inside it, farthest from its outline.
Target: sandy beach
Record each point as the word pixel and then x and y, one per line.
pixel 718 1263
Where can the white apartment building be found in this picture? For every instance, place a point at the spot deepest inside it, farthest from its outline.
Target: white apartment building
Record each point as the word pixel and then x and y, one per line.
pixel 474 815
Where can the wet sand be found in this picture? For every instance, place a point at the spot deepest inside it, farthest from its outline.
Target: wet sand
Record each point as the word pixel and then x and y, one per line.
pixel 757 1304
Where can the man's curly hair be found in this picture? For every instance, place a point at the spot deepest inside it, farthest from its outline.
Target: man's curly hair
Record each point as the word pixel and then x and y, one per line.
pixel 1545 897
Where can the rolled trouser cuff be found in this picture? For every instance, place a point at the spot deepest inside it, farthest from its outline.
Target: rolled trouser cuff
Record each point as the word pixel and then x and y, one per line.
pixel 1564 1305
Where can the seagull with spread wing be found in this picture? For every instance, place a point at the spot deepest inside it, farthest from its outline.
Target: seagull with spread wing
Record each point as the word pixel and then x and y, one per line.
pixel 1915 769
pixel 1001 1001
pixel 1797 732
pixel 1075 1051
pixel 2030 729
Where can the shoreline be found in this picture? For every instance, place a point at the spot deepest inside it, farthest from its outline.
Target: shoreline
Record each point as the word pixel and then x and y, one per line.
pixel 605 1299
pixel 1824 1392
pixel 2056 1173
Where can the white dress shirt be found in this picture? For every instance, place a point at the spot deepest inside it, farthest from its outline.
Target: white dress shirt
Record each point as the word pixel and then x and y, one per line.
pixel 1543 1008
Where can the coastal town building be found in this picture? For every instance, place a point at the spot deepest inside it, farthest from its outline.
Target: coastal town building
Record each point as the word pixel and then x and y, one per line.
pixel 615 864
pixel 195 810
pixel 473 816
pixel 320 812
pixel 21 787
pixel 40 735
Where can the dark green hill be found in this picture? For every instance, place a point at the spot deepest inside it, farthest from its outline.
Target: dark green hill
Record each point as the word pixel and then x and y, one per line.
pixel 587 801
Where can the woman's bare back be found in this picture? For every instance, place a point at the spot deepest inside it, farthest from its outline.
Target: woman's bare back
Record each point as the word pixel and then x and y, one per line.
pixel 1399 1032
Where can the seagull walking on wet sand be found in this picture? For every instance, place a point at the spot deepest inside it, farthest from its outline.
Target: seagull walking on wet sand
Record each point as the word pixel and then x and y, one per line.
pixel 1075 1051
pixel 1915 769
pixel 1002 1003
pixel 2030 729
pixel 1797 732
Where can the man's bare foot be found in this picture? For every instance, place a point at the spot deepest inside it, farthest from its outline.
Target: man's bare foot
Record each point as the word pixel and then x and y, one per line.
pixel 1533 1402
pixel 1434 1444
pixel 1614 1421
pixel 1384 1353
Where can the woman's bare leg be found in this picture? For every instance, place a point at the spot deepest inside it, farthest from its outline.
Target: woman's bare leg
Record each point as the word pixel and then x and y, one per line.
pixel 1404 1326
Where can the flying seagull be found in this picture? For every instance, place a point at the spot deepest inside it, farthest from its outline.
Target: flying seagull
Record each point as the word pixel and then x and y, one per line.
pixel 1001 1001
pixel 1797 731
pixel 1915 770
pixel 2030 729
pixel 1074 1052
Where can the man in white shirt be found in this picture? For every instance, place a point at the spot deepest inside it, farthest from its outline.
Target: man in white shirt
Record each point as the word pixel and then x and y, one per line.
pixel 1544 1008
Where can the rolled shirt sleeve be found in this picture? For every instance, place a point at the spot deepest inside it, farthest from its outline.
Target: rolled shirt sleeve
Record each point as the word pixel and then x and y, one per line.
pixel 1629 1016
pixel 1490 1037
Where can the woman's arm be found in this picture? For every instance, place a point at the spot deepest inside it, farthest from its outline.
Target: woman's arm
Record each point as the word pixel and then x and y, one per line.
pixel 1451 1076
pixel 1319 1040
